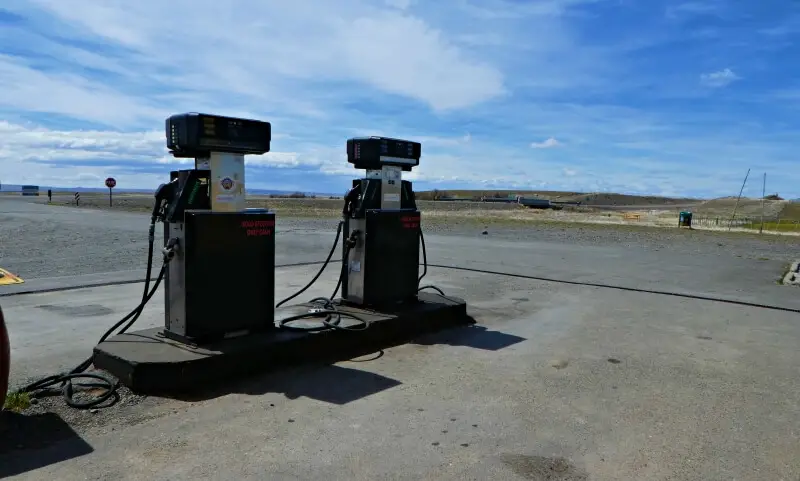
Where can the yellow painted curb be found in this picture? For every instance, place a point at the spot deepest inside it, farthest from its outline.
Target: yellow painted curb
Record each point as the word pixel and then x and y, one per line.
pixel 7 278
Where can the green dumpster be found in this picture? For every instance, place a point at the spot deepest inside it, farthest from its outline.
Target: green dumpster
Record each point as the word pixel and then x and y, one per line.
pixel 685 219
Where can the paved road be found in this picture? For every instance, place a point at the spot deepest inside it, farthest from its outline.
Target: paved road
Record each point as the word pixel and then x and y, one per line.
pixel 77 244
pixel 559 380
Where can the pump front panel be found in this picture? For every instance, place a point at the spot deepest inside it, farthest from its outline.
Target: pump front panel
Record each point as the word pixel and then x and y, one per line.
pixel 385 269
pixel 229 282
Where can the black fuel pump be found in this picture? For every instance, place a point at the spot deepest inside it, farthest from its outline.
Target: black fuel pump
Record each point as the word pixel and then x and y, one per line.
pixel 220 281
pixel 382 224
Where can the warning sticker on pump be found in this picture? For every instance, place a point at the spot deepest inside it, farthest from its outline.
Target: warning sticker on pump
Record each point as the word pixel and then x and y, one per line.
pixel 7 278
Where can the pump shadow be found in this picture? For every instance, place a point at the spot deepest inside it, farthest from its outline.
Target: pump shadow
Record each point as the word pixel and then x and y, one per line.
pixel 328 383
pixel 29 442
pixel 322 380
pixel 474 336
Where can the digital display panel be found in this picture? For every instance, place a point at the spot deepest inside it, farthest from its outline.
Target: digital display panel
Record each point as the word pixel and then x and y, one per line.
pixel 192 134
pixel 375 152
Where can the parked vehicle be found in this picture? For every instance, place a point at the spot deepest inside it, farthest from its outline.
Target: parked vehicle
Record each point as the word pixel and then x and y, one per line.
pixel 5 359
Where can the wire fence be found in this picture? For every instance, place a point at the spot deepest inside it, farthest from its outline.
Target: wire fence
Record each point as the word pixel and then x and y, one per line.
pixel 770 224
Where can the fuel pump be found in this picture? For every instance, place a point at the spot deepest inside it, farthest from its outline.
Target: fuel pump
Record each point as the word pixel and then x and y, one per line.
pixel 220 278
pixel 381 224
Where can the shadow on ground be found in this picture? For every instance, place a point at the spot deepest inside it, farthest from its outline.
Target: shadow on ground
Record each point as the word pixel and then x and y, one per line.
pixel 341 385
pixel 35 441
pixel 474 336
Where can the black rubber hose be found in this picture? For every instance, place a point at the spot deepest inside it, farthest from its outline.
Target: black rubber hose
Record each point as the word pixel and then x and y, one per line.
pixel 47 386
pixel 321 270
pixel 424 256
pixel 107 385
pixel 425 268
pixel 331 316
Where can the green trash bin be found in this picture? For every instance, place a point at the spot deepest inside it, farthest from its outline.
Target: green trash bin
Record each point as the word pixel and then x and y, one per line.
pixel 685 219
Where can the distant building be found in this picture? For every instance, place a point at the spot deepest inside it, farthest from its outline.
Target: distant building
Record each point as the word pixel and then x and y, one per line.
pixel 30 190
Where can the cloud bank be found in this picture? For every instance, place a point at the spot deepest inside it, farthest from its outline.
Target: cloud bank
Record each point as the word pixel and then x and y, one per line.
pixel 640 97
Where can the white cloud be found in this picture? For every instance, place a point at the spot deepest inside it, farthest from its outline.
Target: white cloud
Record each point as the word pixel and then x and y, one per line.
pixel 473 81
pixel 718 79
pixel 69 158
pixel 27 89
pixel 546 144
pixel 253 48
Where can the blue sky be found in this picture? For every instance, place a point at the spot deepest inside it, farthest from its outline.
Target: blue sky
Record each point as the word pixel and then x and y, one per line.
pixel 656 97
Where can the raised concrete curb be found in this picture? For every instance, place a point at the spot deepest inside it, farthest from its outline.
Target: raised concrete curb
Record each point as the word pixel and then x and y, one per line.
pixel 147 362
pixel 792 278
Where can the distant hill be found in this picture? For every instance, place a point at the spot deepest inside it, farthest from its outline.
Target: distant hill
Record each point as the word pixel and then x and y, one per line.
pixel 585 198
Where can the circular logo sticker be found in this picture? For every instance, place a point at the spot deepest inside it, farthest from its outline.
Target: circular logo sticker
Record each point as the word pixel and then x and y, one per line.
pixel 226 183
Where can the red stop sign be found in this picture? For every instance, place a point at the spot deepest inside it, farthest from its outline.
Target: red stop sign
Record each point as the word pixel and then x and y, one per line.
pixel 111 182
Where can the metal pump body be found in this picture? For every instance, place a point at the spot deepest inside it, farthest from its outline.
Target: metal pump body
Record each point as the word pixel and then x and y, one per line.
pixel 220 279
pixel 381 225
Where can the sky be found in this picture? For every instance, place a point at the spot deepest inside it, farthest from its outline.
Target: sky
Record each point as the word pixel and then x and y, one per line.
pixel 635 96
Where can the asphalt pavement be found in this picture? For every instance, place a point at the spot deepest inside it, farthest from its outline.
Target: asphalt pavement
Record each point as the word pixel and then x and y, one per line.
pixel 570 373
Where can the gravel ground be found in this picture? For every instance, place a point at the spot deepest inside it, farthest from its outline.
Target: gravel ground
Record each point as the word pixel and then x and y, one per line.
pixel 127 411
pixel 40 246
pixel 56 243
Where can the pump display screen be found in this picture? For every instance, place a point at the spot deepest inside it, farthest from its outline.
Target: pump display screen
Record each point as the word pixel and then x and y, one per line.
pixel 374 152
pixel 196 133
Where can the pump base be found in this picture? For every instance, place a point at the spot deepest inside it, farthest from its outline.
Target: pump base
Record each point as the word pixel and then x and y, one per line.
pixel 147 362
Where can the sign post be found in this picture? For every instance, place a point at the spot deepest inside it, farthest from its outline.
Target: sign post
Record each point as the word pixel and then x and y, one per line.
pixel 110 183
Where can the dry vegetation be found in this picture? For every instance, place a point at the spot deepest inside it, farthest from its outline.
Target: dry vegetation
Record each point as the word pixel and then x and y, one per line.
pixel 586 199
pixel 604 209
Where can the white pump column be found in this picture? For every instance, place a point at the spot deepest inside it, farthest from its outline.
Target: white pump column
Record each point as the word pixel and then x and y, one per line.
pixel 227 181
pixel 391 178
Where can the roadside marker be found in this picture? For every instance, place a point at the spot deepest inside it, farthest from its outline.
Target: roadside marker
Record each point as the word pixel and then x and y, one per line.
pixel 7 278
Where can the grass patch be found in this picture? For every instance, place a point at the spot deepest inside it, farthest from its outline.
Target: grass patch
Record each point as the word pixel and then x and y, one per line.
pixel 17 402
pixel 783 226
pixel 790 212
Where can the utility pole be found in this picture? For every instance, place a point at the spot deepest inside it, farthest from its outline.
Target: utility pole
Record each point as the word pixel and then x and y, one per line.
pixel 736 206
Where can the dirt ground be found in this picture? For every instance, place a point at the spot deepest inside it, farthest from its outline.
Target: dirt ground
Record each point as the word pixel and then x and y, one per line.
pixel 780 217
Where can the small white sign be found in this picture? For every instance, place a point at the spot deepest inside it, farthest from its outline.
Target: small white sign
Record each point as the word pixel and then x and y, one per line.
pixel 355 266
pixel 392 173
pixel 391 197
